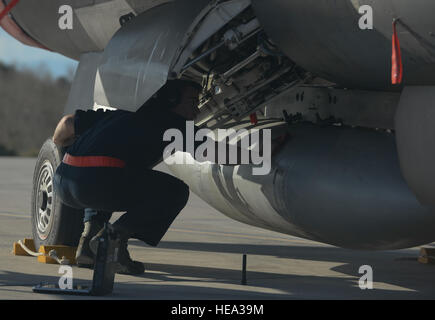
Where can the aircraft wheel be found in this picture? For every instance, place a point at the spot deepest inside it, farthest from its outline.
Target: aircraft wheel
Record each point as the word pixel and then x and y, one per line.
pixel 53 223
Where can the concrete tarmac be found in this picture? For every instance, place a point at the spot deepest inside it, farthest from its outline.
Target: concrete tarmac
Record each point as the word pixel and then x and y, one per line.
pixel 201 258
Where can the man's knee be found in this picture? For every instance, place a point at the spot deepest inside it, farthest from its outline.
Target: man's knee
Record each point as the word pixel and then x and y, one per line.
pixel 63 191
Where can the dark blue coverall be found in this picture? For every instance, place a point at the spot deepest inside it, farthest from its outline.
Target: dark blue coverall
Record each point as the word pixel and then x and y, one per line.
pixel 151 199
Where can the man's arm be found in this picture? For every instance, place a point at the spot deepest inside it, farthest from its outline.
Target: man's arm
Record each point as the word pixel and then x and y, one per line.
pixel 84 120
pixel 73 125
pixel 64 134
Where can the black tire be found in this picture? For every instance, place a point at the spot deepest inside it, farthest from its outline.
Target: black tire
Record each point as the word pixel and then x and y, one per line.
pixel 53 223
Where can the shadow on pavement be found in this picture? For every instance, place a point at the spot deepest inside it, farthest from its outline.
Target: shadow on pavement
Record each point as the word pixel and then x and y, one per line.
pixel 402 277
pixel 398 269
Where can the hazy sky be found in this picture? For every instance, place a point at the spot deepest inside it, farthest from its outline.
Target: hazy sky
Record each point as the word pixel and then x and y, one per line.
pixel 12 51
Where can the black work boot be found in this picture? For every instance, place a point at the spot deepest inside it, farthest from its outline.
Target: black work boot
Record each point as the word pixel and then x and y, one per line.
pixel 84 255
pixel 125 264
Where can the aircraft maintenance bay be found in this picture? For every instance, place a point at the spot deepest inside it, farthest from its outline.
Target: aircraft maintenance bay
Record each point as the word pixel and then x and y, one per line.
pixel 201 258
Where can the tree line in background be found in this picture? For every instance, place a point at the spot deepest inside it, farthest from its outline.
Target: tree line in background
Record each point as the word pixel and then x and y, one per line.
pixel 31 104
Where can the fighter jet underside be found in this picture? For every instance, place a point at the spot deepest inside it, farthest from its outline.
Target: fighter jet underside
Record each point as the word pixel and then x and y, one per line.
pixel 358 169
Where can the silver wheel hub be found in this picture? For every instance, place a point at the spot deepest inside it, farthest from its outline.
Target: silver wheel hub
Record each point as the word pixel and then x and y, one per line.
pixel 44 201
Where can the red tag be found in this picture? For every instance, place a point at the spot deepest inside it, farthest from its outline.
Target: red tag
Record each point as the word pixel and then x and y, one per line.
pixel 253 117
pixel 396 58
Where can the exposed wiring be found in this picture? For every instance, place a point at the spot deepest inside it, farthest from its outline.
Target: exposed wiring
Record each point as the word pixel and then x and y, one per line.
pixel 35 254
pixel 52 254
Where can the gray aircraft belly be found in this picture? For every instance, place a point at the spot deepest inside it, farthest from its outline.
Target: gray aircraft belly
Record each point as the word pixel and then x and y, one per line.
pixel 94 22
pixel 320 35
pixel 324 37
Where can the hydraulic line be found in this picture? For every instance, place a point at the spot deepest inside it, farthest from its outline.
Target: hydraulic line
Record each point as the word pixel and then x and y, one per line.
pixel 52 254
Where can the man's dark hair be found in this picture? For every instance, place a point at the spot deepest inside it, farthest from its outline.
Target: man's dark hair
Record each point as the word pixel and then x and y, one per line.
pixel 169 96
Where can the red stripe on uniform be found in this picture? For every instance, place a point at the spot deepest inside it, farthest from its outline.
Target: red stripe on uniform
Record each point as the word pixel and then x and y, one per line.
pixel 93 161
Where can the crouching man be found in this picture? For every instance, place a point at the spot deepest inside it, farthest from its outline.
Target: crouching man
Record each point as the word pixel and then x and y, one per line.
pixel 107 168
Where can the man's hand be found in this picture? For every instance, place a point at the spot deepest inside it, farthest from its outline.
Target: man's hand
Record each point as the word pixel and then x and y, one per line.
pixel 64 134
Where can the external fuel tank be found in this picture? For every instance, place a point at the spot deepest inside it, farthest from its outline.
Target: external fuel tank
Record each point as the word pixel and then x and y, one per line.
pixel 337 185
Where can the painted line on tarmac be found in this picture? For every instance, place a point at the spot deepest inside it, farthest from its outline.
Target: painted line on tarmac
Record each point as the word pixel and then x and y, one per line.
pixel 17 215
